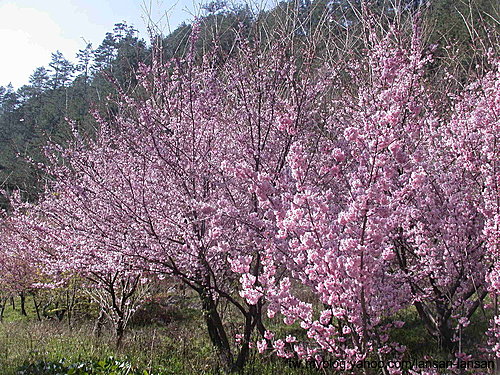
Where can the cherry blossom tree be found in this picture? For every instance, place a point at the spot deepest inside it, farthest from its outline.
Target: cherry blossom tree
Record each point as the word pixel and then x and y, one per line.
pixel 380 211
pixel 20 274
pixel 177 183
pixel 52 243
pixel 342 203
pixel 473 137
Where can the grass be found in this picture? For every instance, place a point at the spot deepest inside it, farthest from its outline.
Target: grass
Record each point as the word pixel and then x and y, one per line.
pixel 180 347
pixel 165 351
pixel 178 344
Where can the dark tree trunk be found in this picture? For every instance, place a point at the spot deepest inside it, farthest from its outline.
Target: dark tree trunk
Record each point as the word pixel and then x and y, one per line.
pixel 242 358
pixel 59 312
pixel 252 319
pixel 99 324
pixel 119 331
pixel 3 304
pixel 23 304
pixel 216 330
pixel 70 304
pixel 37 307
pixel 436 313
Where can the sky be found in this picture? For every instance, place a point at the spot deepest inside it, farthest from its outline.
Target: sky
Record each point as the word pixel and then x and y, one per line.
pixel 30 30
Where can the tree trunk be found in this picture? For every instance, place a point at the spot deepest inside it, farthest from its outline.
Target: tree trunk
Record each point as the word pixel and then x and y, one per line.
pixel 37 307
pixel 59 312
pixel 119 331
pixel 216 330
pixel 99 324
pixel 252 319
pixel 70 304
pixel 446 334
pixel 23 304
pixel 438 326
pixel 3 304
pixel 242 358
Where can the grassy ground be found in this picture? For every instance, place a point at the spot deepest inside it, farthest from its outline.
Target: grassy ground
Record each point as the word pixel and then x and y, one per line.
pixel 180 347
pixel 177 345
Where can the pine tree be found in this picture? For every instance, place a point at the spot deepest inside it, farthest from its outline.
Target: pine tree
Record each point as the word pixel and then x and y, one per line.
pixel 62 70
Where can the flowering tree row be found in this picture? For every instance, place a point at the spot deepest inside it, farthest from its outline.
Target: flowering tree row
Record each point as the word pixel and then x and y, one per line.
pixel 331 194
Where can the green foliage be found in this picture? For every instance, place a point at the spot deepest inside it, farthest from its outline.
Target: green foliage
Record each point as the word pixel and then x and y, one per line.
pixel 108 366
pixel 420 343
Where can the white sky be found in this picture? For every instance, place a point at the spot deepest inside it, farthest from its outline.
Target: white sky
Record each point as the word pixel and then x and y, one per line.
pixel 30 30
